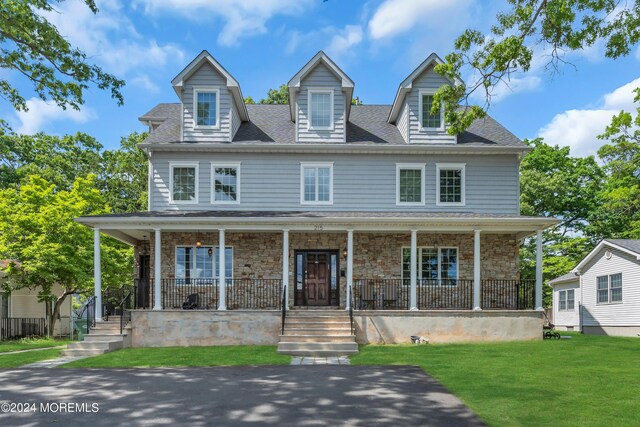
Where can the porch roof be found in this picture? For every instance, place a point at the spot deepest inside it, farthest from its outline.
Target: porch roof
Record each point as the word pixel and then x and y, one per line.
pixel 131 227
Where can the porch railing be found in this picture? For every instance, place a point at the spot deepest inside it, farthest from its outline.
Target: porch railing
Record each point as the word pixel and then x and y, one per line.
pixel 253 293
pixel 22 327
pixel 190 294
pixel 507 294
pixel 444 294
pixel 380 294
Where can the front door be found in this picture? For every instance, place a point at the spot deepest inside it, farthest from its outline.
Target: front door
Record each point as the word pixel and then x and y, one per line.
pixel 317 277
pixel 143 291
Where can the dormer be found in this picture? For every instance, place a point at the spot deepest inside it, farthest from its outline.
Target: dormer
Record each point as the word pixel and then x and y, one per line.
pixel 320 101
pixel 212 102
pixel 411 109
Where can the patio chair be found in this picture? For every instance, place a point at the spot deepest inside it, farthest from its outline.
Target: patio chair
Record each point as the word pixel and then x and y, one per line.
pixel 192 302
pixel 390 295
pixel 368 296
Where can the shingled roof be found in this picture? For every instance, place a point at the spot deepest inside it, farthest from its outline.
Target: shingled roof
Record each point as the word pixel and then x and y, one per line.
pixel 271 124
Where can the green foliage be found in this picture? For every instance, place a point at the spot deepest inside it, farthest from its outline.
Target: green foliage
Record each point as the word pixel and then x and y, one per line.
pixel 34 48
pixel 279 96
pixel 249 100
pixel 530 29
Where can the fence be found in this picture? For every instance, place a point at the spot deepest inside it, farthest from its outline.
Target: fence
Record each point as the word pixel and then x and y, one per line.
pixel 22 327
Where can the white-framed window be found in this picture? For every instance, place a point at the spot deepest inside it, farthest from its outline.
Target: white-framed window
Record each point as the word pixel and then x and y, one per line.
pixel 225 187
pixel 183 179
pixel 320 102
pixel 410 184
pixel 316 183
pixel 197 264
pixel 429 121
pixel 609 288
pixel 450 184
pixel 206 108
pixel 566 300
pixel 435 266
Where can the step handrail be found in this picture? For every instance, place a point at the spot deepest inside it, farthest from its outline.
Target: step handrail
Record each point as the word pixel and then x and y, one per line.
pixel 126 300
pixel 284 307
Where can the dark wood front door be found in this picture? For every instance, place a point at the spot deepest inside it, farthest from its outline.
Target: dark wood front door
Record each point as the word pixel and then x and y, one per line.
pixel 317 278
pixel 143 291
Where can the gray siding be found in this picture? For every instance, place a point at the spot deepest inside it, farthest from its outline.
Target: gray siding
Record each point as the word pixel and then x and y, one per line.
pixel 429 79
pixel 403 122
pixel 361 182
pixel 235 120
pixel 321 77
pixel 206 76
pixel 626 313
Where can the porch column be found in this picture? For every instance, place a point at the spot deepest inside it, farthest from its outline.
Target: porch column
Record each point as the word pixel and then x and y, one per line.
pixel 285 266
pixel 157 271
pixel 349 267
pixel 222 275
pixel 97 274
pixel 413 302
pixel 476 270
pixel 539 270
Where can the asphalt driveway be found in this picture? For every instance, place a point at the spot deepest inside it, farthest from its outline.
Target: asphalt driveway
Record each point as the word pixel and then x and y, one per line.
pixel 221 396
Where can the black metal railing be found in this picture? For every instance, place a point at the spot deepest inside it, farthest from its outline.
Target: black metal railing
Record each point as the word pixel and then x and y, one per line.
pixel 351 304
pixel 22 327
pixel 444 294
pixel 253 293
pixel 190 294
pixel 283 308
pixel 124 308
pixel 380 294
pixel 507 294
pixel 143 293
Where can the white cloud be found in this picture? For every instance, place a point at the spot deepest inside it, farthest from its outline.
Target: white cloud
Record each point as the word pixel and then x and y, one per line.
pixel 143 81
pixel 579 128
pixel 344 40
pixel 242 18
pixel 42 113
pixel 395 17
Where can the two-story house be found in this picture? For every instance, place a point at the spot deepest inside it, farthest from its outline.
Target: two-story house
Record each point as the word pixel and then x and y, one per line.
pixel 373 208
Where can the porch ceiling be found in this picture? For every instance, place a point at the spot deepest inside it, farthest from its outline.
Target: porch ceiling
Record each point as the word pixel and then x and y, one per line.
pixel 133 227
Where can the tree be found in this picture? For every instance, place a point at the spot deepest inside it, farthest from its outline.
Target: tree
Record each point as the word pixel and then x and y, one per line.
pixel 47 247
pixel 33 47
pixel 249 100
pixel 280 96
pixel 528 30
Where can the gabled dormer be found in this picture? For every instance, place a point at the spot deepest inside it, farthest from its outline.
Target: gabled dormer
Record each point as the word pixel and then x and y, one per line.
pixel 411 109
pixel 320 101
pixel 212 102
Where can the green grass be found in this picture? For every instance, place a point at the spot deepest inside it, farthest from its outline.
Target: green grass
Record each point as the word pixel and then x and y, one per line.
pixel 19 359
pixel 30 343
pixel 584 381
pixel 184 356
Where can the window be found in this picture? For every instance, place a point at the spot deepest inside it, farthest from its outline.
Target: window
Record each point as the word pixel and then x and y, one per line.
pixel 434 265
pixel 198 263
pixel 321 109
pixel 184 182
pixel 226 183
pixel 206 107
pixel 429 121
pixel 410 184
pixel 566 300
pixel 316 181
pixel 609 288
pixel 450 184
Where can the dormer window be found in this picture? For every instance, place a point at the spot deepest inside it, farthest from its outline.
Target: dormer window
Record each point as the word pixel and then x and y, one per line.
pixel 429 121
pixel 321 109
pixel 206 106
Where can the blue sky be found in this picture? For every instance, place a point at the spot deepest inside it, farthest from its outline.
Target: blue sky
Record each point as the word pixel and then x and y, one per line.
pixel 265 42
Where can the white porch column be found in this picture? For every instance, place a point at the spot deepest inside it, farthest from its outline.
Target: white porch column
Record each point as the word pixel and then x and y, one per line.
pixel 413 303
pixel 285 265
pixel 349 267
pixel 476 270
pixel 222 276
pixel 157 271
pixel 97 274
pixel 539 270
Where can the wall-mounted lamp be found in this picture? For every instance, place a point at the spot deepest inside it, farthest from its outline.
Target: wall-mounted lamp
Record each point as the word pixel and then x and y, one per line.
pixel 344 253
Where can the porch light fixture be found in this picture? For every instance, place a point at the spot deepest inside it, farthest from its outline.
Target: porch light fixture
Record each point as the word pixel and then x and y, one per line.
pixel 210 251
pixel 344 253
pixel 198 242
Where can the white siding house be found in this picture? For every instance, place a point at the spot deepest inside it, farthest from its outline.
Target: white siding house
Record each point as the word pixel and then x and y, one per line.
pixel 566 302
pixel 610 288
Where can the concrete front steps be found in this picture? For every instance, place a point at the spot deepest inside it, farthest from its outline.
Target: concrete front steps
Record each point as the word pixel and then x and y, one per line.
pixel 101 339
pixel 317 333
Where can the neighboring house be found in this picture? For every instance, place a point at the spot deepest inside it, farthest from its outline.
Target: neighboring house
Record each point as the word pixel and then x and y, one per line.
pixel 566 302
pixel 610 288
pixel 374 207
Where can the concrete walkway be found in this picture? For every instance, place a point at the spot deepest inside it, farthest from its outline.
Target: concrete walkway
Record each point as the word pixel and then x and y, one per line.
pixel 341 360
pixel 238 396
pixel 53 363
pixel 32 349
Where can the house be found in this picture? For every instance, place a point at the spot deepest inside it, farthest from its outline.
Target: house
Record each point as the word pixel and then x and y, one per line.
pixel 327 205
pixel 566 302
pixel 610 288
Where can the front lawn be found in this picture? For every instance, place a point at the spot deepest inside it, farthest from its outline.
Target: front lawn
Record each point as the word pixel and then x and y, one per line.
pixel 584 381
pixel 184 356
pixel 15 360
pixel 30 343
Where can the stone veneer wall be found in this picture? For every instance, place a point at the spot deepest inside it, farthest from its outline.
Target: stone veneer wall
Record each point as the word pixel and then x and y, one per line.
pixel 376 255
